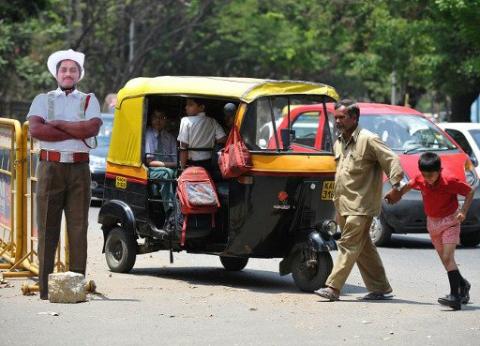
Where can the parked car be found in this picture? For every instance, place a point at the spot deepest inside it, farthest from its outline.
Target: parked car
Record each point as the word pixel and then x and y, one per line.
pixel 467 135
pixel 409 133
pixel 98 157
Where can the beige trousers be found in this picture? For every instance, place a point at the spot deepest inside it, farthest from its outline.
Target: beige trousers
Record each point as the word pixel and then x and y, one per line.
pixel 355 246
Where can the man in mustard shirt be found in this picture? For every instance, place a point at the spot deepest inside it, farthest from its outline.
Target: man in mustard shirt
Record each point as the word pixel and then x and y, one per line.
pixel 361 159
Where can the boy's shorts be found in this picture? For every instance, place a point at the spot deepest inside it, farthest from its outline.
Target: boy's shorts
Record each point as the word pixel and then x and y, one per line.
pixel 444 230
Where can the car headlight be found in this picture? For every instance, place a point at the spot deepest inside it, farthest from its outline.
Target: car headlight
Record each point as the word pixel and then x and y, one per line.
pixel 330 227
pixel 470 175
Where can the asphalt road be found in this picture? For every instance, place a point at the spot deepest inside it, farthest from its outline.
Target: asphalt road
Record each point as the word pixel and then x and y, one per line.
pixel 194 301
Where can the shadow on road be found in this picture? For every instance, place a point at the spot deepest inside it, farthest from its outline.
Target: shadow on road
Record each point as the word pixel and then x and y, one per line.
pixel 388 301
pixel 251 279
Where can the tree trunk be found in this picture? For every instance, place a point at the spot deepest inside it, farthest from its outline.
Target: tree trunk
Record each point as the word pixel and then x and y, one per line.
pixel 461 105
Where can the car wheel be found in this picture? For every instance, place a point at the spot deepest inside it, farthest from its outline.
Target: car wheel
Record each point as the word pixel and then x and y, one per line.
pixel 120 250
pixel 380 232
pixel 470 239
pixel 310 278
pixel 233 264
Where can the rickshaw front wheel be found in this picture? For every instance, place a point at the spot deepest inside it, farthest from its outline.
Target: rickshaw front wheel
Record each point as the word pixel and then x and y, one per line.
pixel 120 250
pixel 233 264
pixel 309 277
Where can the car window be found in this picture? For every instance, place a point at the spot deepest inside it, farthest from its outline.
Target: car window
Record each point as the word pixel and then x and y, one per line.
pixel 461 140
pixel 306 126
pixel 103 137
pixel 407 133
pixel 476 136
pixel 266 116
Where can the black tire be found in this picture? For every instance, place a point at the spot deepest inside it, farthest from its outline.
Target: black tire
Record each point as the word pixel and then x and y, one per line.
pixel 233 264
pixel 120 250
pixel 310 279
pixel 380 232
pixel 470 239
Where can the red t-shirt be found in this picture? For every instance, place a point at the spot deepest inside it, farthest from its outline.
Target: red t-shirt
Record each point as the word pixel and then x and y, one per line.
pixel 440 199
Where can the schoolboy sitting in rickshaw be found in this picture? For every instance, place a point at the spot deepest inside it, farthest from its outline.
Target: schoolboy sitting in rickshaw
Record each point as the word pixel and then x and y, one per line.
pixel 161 156
pixel 197 131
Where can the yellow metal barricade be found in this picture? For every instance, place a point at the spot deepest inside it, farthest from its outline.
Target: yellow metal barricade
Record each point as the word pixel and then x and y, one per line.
pixel 11 186
pixel 18 231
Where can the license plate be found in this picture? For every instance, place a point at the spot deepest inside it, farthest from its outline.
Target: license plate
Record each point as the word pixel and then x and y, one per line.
pixel 120 183
pixel 327 190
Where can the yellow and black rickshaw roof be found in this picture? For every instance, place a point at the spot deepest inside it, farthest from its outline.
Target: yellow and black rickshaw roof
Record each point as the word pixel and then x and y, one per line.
pixel 125 146
pixel 243 89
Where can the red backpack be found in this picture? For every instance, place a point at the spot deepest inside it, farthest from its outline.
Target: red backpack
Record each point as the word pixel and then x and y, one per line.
pixel 197 195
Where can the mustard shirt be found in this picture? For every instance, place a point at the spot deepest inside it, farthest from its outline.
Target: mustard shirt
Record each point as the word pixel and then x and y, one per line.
pixel 358 179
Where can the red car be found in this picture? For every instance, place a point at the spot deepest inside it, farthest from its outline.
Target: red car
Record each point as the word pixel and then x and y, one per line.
pixel 409 133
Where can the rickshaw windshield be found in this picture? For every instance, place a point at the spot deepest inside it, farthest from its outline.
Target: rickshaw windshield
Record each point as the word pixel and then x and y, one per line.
pixel 267 117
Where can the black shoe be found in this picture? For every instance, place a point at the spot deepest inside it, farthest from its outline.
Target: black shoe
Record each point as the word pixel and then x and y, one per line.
pixel 452 301
pixel 465 292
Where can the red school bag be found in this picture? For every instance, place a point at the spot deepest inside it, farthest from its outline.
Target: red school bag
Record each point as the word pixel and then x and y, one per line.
pixel 197 195
pixel 234 159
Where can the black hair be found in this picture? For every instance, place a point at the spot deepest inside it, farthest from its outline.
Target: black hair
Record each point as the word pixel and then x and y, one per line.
pixel 158 110
pixel 198 101
pixel 353 110
pixel 429 162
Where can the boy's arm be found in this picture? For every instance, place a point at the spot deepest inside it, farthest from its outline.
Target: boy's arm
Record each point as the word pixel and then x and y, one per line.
pixel 183 155
pixel 462 213
pixel 393 196
pixel 221 140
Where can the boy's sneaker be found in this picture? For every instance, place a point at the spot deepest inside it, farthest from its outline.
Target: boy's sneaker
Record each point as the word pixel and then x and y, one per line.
pixel 455 302
pixel 465 292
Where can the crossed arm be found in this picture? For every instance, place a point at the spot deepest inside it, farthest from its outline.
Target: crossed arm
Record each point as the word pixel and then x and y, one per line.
pixel 59 130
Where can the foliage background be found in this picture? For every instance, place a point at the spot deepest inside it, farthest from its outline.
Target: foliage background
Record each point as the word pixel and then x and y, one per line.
pixel 432 48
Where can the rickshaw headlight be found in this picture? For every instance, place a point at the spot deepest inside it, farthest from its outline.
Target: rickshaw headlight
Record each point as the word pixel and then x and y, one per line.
pixel 330 227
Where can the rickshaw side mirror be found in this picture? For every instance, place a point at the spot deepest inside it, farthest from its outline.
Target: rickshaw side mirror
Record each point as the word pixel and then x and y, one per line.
pixel 287 135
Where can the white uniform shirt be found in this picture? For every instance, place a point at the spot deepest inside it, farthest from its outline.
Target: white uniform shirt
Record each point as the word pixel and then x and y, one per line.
pixel 199 131
pixel 66 107
pixel 160 143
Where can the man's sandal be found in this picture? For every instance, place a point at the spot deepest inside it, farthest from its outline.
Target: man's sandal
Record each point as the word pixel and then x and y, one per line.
pixel 377 296
pixel 329 294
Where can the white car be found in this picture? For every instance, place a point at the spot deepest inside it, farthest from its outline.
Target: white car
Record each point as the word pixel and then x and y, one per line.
pixel 467 135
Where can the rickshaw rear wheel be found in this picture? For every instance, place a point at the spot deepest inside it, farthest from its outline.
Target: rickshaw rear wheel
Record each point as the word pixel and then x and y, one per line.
pixel 233 264
pixel 120 250
pixel 310 278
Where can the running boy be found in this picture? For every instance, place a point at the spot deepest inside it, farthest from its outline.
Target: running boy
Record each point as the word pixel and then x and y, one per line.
pixel 439 193
pixel 198 131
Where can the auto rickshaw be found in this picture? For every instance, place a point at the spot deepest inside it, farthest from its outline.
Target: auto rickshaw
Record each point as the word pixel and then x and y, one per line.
pixel 281 208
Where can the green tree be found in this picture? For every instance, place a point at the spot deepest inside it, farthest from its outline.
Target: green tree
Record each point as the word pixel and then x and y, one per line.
pixel 456 32
pixel 355 46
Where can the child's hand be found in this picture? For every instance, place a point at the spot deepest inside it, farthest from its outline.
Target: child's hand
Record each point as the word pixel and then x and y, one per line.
pixel 460 216
pixel 393 196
